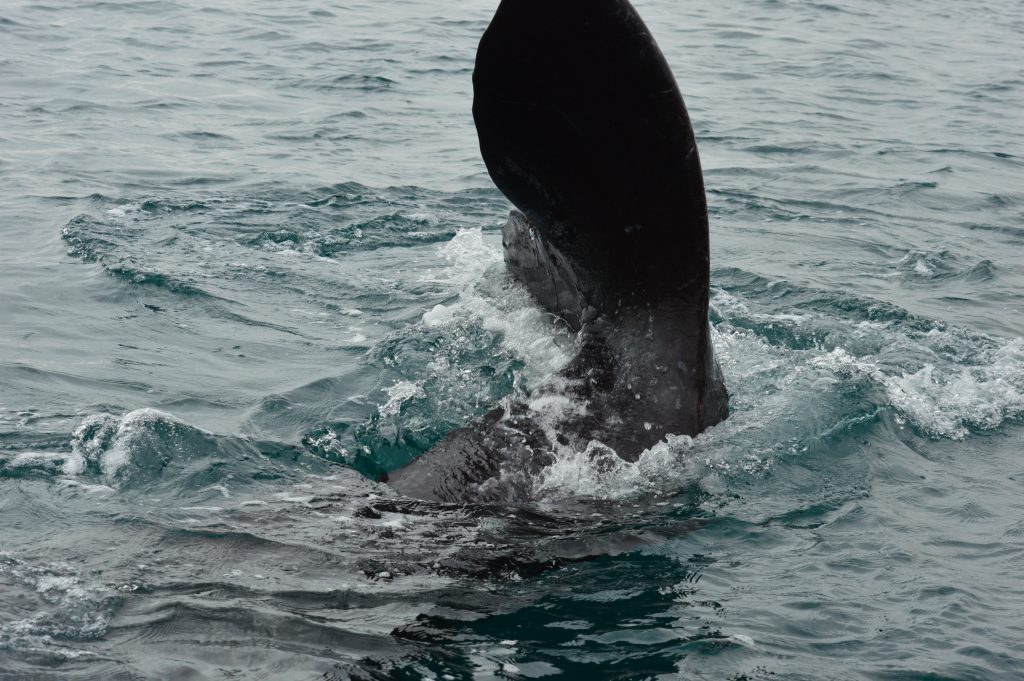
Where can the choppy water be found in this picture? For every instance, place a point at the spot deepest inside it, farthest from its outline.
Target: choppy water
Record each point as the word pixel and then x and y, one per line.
pixel 249 249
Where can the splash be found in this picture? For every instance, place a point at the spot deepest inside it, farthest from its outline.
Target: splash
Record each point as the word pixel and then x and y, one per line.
pixel 497 304
pixel 397 396
pixel 951 400
pixel 113 445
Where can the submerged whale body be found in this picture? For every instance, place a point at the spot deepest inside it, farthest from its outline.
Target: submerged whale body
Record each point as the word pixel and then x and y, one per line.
pixel 583 128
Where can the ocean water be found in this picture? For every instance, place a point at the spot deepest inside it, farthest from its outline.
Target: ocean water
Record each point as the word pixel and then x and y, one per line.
pixel 249 256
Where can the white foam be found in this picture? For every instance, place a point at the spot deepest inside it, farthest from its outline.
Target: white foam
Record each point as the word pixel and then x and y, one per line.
pixel 598 472
pixel 950 401
pixel 106 440
pixel 428 218
pixel 123 211
pixel 289 498
pixel 118 455
pixel 88 442
pixel 35 459
pixel 90 489
pixel 526 330
pixel 397 395
pixel 329 441
pixel 552 407
pixel 219 488
pixel 468 257
pixel 77 609
pixel 438 315
pixel 742 639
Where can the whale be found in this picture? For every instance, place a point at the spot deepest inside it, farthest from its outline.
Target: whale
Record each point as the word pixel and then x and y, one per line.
pixel 583 128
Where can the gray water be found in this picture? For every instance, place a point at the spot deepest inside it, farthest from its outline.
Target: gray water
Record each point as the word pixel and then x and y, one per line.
pixel 250 256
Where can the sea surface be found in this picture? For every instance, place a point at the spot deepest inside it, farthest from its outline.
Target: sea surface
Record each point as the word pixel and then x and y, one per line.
pixel 250 258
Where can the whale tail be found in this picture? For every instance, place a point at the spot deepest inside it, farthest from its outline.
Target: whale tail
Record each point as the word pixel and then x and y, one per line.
pixel 583 128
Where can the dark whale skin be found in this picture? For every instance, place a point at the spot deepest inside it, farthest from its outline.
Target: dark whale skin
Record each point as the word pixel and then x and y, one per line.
pixel 583 128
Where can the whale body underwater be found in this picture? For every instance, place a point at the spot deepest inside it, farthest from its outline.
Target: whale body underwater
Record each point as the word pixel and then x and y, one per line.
pixel 583 128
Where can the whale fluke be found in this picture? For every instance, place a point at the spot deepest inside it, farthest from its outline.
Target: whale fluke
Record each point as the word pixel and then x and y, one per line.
pixel 583 128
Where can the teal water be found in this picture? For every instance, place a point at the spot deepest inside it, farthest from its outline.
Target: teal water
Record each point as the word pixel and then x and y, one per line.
pixel 250 253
